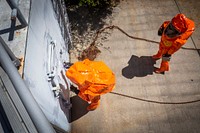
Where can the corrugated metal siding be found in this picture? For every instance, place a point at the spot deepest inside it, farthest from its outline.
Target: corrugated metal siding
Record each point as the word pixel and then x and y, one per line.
pixel 1 129
pixel 14 109
pixel 4 123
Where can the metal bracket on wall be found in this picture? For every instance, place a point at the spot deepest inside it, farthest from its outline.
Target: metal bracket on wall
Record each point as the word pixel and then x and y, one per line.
pixel 51 61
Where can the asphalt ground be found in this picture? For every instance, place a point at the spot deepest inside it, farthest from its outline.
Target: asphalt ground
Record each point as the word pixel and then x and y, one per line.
pixel 143 101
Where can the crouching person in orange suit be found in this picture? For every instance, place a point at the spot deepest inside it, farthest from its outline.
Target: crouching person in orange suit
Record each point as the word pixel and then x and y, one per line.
pixel 174 34
pixel 93 79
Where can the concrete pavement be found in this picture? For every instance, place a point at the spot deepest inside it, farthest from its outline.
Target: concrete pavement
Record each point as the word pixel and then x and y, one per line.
pixel 130 60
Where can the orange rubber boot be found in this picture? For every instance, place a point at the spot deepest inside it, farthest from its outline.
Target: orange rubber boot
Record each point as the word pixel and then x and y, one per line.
pixel 93 106
pixel 94 103
pixel 157 56
pixel 163 67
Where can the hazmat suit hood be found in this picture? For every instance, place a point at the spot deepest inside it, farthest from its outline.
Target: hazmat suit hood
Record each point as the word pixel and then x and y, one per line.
pixel 180 22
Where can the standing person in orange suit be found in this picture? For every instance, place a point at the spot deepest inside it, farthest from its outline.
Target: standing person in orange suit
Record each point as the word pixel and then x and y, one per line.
pixel 93 79
pixel 174 34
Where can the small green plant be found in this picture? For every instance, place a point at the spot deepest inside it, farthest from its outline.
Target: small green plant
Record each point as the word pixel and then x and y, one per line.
pixel 91 3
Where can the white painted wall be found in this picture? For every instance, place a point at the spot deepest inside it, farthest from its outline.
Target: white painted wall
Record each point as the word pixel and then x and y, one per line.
pixel 43 27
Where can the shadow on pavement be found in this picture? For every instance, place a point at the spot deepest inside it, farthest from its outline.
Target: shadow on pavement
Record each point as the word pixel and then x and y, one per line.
pixel 79 108
pixel 73 109
pixel 139 67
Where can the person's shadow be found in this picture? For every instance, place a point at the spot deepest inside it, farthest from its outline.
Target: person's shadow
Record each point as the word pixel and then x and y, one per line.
pixel 79 108
pixel 73 107
pixel 139 67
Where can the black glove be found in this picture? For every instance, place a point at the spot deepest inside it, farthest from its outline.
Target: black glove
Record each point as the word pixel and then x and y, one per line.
pixel 74 89
pixel 160 31
pixel 167 55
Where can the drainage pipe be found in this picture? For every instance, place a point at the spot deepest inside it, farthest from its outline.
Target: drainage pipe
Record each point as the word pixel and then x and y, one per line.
pixel 21 18
pixel 15 60
pixel 33 109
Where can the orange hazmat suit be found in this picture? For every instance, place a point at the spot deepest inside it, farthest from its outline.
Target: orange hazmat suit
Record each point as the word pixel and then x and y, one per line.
pixel 169 45
pixel 93 79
